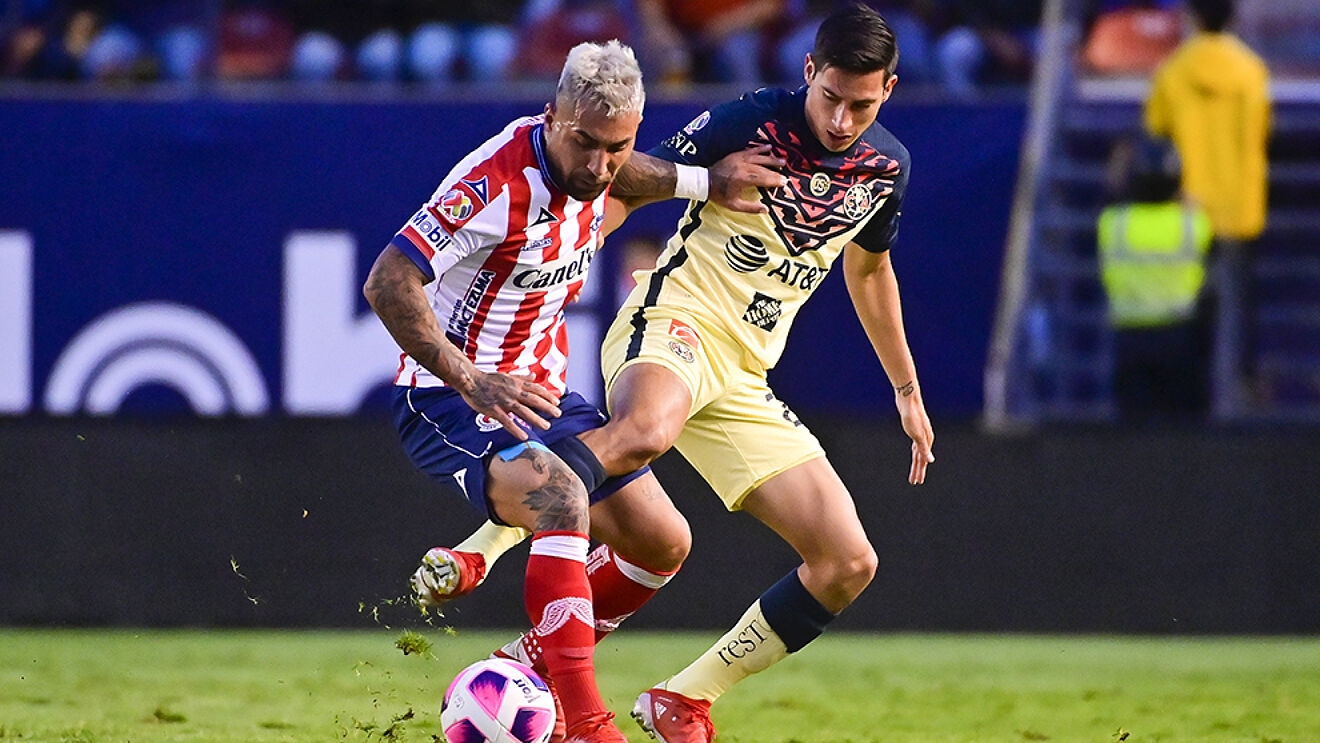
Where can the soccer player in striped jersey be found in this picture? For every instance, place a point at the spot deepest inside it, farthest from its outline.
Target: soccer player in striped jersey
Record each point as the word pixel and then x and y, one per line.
pixel 473 288
pixel 685 361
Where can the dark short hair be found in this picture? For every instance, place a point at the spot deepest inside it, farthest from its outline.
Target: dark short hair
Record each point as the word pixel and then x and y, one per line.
pixel 1212 15
pixel 1154 170
pixel 855 39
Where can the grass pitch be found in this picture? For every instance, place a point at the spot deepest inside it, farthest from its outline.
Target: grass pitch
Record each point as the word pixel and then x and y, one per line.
pixel 117 686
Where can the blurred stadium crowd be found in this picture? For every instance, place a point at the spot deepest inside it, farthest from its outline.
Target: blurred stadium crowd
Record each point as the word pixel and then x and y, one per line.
pixel 959 45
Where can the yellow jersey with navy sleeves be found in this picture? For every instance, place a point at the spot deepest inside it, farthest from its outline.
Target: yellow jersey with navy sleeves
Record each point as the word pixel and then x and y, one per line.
pixel 748 274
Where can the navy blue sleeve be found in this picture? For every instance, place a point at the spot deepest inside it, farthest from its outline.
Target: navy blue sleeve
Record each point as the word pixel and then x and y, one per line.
pixel 881 231
pixel 726 128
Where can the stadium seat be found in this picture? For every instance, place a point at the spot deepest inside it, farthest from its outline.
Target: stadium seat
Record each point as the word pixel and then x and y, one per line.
pixel 255 43
pixel 1131 41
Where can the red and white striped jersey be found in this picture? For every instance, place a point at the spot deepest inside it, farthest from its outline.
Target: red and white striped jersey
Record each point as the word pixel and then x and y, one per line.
pixel 507 250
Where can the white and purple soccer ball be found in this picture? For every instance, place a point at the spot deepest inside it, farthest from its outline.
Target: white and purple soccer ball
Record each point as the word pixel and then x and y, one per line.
pixel 498 701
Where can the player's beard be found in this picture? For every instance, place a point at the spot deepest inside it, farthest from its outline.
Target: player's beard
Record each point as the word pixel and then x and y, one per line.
pixel 584 187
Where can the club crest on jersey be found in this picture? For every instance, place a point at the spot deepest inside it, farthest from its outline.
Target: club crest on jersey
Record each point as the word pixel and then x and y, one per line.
pixel 683 351
pixel 456 205
pixel 857 202
pixel 745 253
pixel 684 332
pixel 486 424
pixel 824 199
pixel 478 188
pixel 698 123
pixel 763 312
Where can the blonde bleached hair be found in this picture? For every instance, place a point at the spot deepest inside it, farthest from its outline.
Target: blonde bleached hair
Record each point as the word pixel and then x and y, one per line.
pixel 602 76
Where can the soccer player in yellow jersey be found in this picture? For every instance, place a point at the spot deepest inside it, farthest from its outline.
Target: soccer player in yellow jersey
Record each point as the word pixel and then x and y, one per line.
pixel 685 361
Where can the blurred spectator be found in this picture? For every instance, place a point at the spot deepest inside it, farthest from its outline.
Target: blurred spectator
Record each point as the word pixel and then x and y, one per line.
pixel 148 39
pixel 254 42
pixel 1211 97
pixel 392 40
pixel 47 40
pixel 1287 32
pixel 1152 248
pixel 551 29
pixel 960 45
pixel 397 40
pixel 910 20
pixel 463 39
pixel 706 40
pixel 1131 40
pixel 990 42
pixel 361 39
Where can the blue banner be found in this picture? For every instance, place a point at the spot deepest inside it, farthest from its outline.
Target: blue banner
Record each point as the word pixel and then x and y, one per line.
pixel 205 255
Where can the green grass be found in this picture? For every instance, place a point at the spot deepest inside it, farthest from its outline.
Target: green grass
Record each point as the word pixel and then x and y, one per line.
pixel 102 686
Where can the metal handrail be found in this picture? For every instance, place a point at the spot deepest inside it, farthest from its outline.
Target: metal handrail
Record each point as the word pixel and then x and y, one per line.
pixel 1059 29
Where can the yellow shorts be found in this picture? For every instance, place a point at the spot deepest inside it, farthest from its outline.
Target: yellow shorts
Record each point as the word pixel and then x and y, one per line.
pixel 738 434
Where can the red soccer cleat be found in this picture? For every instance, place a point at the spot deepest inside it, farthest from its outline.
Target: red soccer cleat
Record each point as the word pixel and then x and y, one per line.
pixel 445 575
pixel 673 718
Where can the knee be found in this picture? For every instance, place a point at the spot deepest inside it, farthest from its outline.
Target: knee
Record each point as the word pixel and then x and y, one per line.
pixel 669 552
pixel 853 572
pixel 662 548
pixel 641 445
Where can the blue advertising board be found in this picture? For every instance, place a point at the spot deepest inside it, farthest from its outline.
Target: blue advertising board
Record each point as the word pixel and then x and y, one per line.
pixel 204 255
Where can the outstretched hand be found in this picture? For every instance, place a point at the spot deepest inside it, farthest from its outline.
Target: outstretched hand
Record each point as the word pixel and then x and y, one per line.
pixel 735 178
pixel 508 399
pixel 916 423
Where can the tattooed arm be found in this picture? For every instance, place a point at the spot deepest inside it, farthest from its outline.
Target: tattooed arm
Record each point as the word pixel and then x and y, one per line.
pixel 395 290
pixel 734 181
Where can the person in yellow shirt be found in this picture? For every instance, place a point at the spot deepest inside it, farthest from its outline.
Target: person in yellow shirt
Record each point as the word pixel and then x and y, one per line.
pixel 1153 247
pixel 1211 97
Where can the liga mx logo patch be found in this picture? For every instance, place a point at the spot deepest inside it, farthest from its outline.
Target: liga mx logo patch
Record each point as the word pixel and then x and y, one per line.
pixel 456 205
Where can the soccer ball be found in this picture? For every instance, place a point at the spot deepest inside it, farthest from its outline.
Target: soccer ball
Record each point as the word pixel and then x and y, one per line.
pixel 497 700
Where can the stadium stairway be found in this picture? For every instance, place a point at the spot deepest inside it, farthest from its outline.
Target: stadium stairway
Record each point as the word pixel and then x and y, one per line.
pixel 1051 359
pixel 1067 337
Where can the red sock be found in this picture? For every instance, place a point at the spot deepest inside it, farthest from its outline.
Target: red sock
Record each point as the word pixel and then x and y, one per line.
pixel 619 588
pixel 558 600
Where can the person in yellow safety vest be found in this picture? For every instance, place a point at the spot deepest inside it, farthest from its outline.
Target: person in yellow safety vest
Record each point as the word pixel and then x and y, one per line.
pixel 1153 248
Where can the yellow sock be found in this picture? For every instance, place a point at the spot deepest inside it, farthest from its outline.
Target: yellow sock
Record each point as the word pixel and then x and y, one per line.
pixel 492 541
pixel 750 647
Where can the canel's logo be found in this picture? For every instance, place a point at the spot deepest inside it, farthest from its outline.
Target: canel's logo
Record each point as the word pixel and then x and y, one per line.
pixel 332 355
